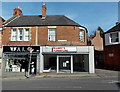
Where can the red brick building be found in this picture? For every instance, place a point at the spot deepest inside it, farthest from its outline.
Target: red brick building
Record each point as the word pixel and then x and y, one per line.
pixel 112 48
pixel 67 32
pixel 40 32
pixel 1 35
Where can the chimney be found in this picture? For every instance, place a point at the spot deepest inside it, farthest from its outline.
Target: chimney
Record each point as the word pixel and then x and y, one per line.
pixel 44 11
pixel 98 33
pixel 117 23
pixel 17 11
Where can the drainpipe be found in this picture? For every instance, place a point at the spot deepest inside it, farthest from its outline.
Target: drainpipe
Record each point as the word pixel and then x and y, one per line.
pixel 36 35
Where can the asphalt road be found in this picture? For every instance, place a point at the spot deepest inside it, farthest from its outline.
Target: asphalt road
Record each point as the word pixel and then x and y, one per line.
pixel 62 83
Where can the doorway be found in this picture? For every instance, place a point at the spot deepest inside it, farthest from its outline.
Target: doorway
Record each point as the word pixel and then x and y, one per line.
pixel 64 64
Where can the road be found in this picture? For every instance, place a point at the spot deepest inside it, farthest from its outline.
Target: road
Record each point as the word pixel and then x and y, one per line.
pixel 62 83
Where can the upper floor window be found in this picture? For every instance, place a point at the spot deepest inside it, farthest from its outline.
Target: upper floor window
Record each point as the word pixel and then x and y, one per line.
pixel 81 34
pixel 13 34
pixel 20 34
pixel 114 37
pixel 26 34
pixel 51 34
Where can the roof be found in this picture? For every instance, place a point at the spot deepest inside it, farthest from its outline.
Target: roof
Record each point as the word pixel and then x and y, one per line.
pixel 114 29
pixel 36 20
pixel 1 21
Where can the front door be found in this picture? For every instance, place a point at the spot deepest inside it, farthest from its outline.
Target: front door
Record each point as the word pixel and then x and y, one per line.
pixel 64 64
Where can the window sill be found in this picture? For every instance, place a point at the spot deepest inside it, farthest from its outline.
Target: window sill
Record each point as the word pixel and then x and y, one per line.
pixel 115 43
pixel 19 41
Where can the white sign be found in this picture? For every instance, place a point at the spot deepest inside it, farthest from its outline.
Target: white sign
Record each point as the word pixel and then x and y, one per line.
pixel 64 49
pixel 111 54
pixel 67 61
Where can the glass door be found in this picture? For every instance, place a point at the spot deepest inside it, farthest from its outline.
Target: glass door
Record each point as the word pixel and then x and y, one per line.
pixel 64 64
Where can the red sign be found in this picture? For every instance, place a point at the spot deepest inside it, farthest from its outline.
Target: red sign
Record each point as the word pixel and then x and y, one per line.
pixel 64 49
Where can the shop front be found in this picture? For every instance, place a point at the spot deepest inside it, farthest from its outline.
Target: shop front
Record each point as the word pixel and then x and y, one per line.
pixel 17 58
pixel 67 59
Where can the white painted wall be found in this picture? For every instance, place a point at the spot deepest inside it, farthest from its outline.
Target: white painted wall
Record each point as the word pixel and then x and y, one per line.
pixel 91 60
pixel 41 60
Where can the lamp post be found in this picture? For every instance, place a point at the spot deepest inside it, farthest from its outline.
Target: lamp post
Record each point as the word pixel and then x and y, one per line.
pixel 31 51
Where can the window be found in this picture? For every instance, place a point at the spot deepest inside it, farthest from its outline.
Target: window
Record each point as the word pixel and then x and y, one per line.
pixel 51 34
pixel 27 36
pixel 114 37
pixel 20 34
pixel 14 35
pixel 81 34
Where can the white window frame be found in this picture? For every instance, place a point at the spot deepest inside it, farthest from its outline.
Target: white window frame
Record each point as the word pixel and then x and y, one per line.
pixel 23 34
pixel 49 35
pixel 111 38
pixel 82 35
pixel 20 35
pixel 12 34
pixel 26 35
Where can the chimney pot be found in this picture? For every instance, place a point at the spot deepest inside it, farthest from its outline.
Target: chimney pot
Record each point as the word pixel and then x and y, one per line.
pixel 17 11
pixel 44 11
pixel 117 23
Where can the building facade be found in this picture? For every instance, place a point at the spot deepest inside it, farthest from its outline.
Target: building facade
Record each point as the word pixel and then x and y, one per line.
pixel 1 34
pixel 56 43
pixel 112 48
pixel 98 49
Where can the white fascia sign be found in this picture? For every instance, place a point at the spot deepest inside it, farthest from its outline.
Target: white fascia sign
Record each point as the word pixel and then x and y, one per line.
pixel 64 49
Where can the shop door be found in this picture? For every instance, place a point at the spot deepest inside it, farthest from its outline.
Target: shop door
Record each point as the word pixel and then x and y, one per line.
pixel 65 64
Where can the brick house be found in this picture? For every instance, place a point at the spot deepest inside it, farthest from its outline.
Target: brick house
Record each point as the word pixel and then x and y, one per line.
pixel 59 43
pixel 1 33
pixel 112 48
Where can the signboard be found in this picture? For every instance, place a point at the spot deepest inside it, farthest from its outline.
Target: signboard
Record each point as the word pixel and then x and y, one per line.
pixel 64 49
pixel 111 55
pixel 20 48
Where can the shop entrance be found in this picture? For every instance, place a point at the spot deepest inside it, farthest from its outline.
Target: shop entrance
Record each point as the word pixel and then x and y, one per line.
pixel 64 64
pixel 74 63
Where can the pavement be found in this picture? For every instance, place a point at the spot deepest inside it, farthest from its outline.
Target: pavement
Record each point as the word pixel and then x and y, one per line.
pixel 98 73
pixel 106 73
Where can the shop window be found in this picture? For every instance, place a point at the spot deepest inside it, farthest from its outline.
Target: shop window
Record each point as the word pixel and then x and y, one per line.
pixel 81 34
pixel 114 37
pixel 20 34
pixel 51 34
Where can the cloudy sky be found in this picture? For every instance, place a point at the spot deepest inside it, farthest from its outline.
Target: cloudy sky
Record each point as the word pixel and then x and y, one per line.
pixel 88 14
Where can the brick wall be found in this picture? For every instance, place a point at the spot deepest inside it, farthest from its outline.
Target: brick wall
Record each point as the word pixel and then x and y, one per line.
pixel 7 37
pixel 69 33
pixel 112 56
